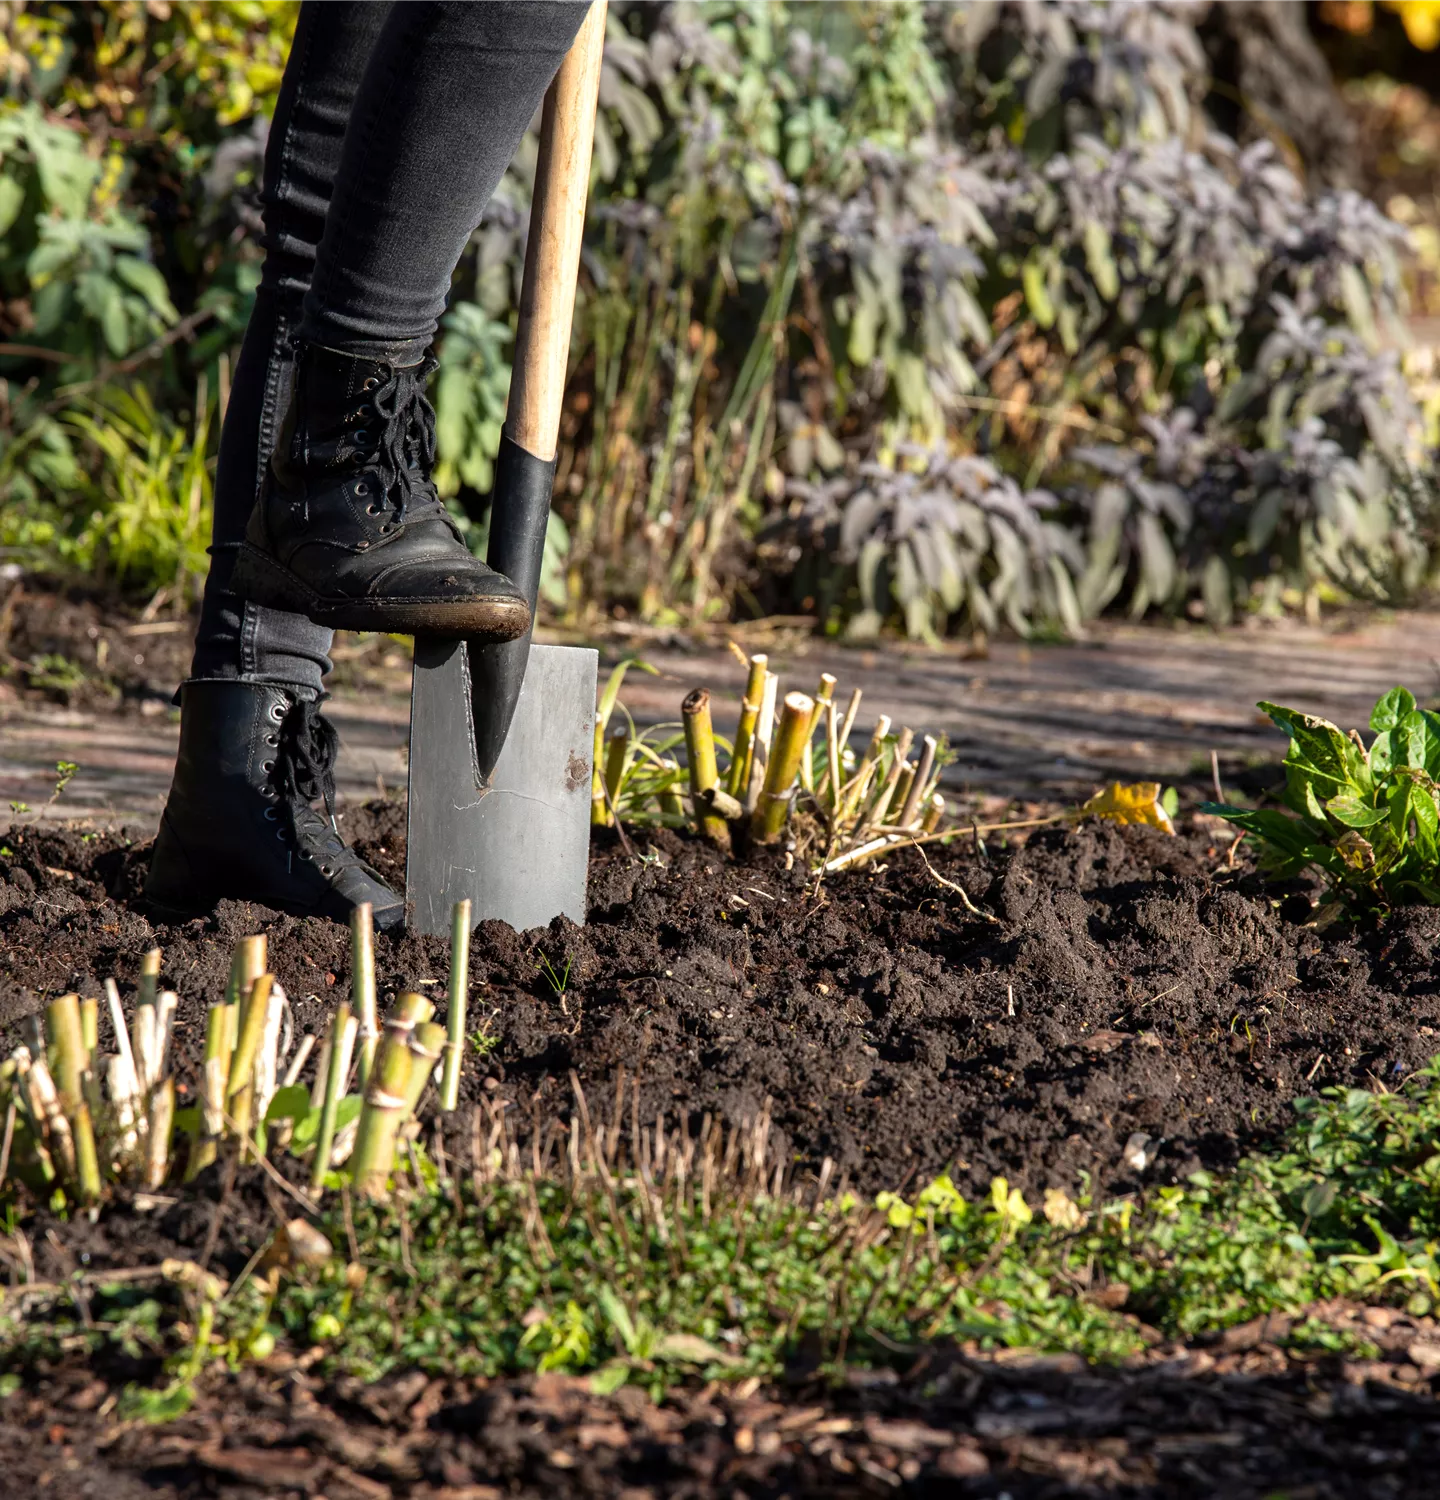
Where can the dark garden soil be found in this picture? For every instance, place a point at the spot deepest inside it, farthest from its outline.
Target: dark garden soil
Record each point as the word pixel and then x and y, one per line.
pixel 1241 1420
pixel 1129 984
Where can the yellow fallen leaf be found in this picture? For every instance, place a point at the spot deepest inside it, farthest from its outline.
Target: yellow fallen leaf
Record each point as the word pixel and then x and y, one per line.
pixel 1421 20
pixel 1137 802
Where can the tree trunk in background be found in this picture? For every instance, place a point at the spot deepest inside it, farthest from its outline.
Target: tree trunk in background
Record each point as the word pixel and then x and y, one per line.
pixel 1271 80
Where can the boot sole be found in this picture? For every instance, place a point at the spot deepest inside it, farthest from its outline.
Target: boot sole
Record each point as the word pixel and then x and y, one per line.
pixel 264 581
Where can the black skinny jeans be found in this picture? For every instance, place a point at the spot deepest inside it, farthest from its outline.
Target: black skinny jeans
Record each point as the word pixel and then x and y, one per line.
pixel 394 124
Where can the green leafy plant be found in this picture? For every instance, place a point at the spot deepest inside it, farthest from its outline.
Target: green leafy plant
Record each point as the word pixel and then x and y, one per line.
pixel 1365 816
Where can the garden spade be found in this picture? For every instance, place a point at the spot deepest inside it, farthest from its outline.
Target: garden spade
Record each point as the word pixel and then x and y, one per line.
pixel 502 736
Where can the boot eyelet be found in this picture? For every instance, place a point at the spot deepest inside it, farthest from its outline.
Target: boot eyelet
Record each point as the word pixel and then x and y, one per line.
pixel 272 740
pixel 277 712
pixel 270 815
pixel 372 384
pixel 362 546
pixel 362 488
pixel 326 870
pixel 267 766
pixel 362 435
pixel 372 510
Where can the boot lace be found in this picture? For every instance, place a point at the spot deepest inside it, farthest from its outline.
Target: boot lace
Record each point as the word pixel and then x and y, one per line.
pixel 305 767
pixel 405 454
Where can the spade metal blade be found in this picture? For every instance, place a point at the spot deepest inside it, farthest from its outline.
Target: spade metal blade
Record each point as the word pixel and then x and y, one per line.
pixel 518 847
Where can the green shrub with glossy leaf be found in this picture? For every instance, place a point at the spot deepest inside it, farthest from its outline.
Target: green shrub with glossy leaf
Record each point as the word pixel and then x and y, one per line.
pixel 1365 816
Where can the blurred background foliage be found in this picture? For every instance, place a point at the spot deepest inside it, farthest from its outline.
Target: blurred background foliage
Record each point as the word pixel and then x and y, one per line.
pixel 939 317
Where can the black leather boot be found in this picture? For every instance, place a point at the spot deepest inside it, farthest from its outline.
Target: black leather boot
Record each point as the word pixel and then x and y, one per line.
pixel 239 821
pixel 348 528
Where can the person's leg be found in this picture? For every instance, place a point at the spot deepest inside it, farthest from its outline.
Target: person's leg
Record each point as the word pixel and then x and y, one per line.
pixel 449 92
pixel 333 44
pixel 255 752
pixel 348 527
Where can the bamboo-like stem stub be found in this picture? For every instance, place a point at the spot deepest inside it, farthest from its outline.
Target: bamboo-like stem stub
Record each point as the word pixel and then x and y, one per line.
pixel 700 747
pixel 362 984
pixel 90 1024
pixel 67 1056
pixel 615 751
pixel 87 1158
pixel 247 964
pixel 161 1122
pixel 760 742
pixel 381 1114
pixel 784 764
pixel 738 778
pixel 241 1085
pixel 456 1001
pixel 427 1047
pixel 149 977
pixel 330 1100
pixel 933 813
pixel 920 785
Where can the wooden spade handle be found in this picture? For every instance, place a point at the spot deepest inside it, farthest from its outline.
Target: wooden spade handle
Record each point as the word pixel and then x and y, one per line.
pixel 552 256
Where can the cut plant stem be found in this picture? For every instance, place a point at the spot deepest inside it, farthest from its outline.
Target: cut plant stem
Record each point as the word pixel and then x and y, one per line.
pixel 161 1121
pixel 672 804
pixel 382 1113
pixel 824 694
pixel 760 743
pixel 241 1087
pixel 852 710
pixel 49 1115
pixel 886 793
pixel 832 756
pixel 616 749
pixel 330 1098
pixel 791 739
pixel 457 997
pixel 166 1004
pixel 121 1082
pixel 853 794
pixel 700 747
pixel 87 1158
pixel 247 964
pixel 90 1024
pixel 427 1046
pixel 301 1056
pixel 919 787
pixel 903 783
pixel 738 778
pixel 25 1095
pixel 362 984
pixel 67 1055
pixel 933 813
pixel 149 977
pixel 267 1062
pixel 213 1091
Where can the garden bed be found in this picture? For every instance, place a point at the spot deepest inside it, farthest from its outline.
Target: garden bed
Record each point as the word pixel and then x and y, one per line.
pixel 1242 1420
pixel 1138 1007
pixel 1131 983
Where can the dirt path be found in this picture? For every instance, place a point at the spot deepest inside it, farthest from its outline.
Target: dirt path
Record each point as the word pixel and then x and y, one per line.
pixel 1130 701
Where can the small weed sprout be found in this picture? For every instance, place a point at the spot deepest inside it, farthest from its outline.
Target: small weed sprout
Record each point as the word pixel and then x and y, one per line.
pixel 64 774
pixel 557 982
pixel 484 1039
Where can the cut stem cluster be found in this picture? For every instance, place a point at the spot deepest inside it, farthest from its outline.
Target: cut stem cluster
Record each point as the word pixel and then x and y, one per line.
pixel 74 1119
pixel 790 753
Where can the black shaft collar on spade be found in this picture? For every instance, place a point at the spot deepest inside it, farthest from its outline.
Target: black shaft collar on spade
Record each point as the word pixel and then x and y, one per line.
pixel 519 515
